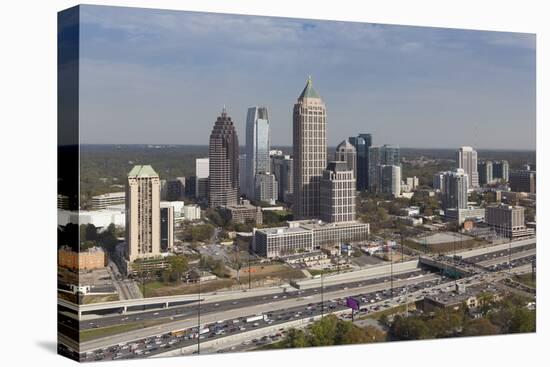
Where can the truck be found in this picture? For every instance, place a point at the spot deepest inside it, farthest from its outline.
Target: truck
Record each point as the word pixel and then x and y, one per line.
pixel 254 318
pixel 204 331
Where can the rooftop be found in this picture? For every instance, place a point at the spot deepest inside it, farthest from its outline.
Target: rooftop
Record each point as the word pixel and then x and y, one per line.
pixel 143 171
pixel 308 91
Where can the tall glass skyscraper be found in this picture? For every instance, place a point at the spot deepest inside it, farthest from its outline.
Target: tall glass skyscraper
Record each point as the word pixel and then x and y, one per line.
pixel 258 143
pixel 388 155
pixel 309 137
pixel 362 142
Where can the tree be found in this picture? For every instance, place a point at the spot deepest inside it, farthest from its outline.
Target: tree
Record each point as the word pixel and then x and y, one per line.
pixel 178 265
pixel 295 339
pixel 481 326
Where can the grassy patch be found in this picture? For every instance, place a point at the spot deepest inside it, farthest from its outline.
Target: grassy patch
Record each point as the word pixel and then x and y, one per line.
pixel 91 334
pixel 159 289
pixel 527 279
pixel 99 298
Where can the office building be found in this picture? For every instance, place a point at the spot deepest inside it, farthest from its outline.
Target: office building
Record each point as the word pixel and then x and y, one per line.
pixel 362 142
pixel 508 221
pixel 389 180
pixel 175 189
pixel 282 167
pixel 103 201
pixel 310 151
pixel 455 189
pixel 338 193
pixel 202 173
pixel 466 159
pixel 306 236
pixel 258 144
pixel 223 180
pixel 387 155
pixel 439 181
pixel 346 152
pixel 501 170
pixel 243 212
pixel 191 212
pixel 523 181
pixel 167 215
pixel 142 213
pixel 485 172
pixel 266 188
pixel 190 186
pixel 242 175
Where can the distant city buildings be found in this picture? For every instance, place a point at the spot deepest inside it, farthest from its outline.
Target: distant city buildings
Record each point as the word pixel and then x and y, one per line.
pixel 501 170
pixel 282 167
pixel 223 181
pixel 103 201
pixel 362 142
pixel 142 213
pixel 338 193
pixel 523 181
pixel 412 182
pixel 485 171
pixel 346 152
pixel 466 159
pixel 310 151
pixel 258 144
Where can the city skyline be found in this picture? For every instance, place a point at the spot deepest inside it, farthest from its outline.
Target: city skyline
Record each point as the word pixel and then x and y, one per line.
pixel 421 82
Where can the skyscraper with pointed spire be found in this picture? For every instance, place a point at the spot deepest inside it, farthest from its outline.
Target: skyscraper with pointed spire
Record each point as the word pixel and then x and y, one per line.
pixel 223 151
pixel 310 151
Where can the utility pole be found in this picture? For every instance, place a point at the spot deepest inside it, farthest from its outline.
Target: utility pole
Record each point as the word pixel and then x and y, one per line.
pixel 401 233
pixel 391 271
pixel 249 273
pixel 199 316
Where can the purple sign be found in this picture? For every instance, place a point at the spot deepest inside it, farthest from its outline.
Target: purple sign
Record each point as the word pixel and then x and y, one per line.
pixel 352 303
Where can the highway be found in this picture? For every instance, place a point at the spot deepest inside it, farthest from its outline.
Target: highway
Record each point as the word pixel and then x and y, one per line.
pixel 284 302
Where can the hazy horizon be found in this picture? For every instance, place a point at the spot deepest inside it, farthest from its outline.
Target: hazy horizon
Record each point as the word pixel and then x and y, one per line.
pixel 163 76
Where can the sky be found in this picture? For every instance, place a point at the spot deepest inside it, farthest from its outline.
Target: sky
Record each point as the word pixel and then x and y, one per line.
pixel 162 77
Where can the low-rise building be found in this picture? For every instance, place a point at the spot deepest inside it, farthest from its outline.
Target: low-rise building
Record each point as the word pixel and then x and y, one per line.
pixel 242 212
pixel 93 258
pixel 471 297
pixel 191 212
pixel 306 236
pixel 410 221
pixel 103 201
pixel 460 215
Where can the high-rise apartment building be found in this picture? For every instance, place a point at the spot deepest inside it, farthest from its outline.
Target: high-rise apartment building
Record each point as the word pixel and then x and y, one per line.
pixel 508 221
pixel 466 158
pixel 310 151
pixel 142 213
pixel 223 181
pixel 282 167
pixel 362 142
pixel 501 170
pixel 485 172
pixel 338 193
pixel 258 144
pixel 346 152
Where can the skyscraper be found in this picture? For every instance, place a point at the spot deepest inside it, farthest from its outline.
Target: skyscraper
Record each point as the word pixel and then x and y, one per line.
pixel 202 172
pixel 258 143
pixel 387 155
pixel 282 166
pixel 455 189
pixel 466 158
pixel 485 172
pixel 501 170
pixel 362 142
pixel 142 213
pixel 223 182
pixel 346 152
pixel 266 188
pixel 310 151
pixel 389 179
pixel 338 193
